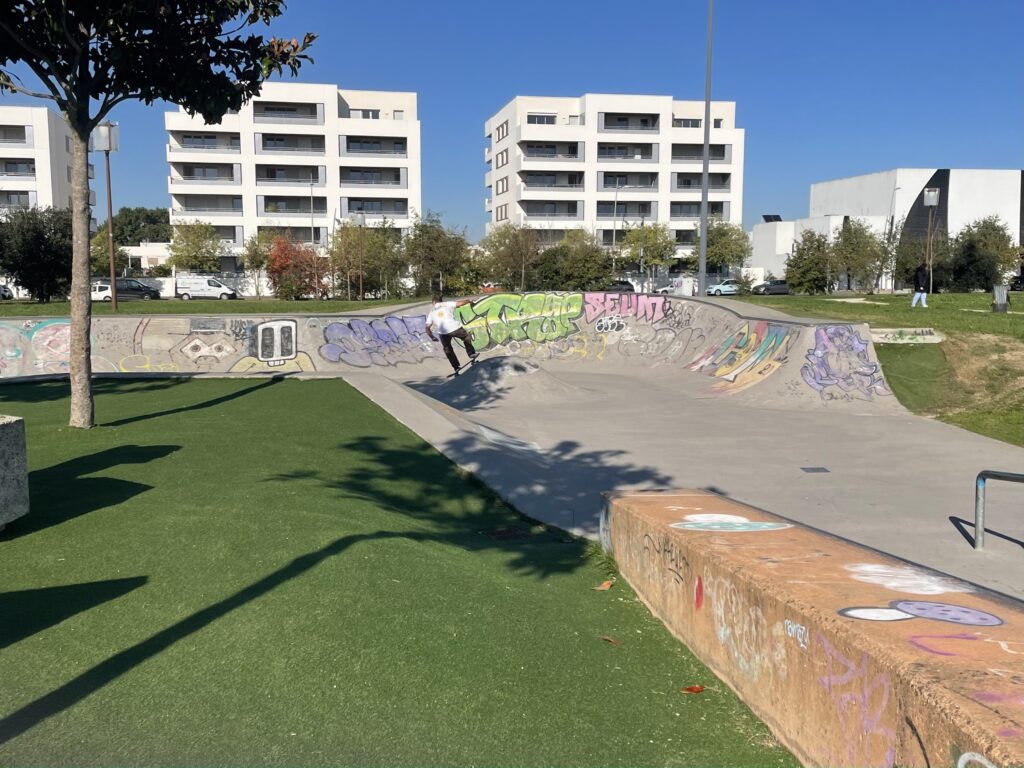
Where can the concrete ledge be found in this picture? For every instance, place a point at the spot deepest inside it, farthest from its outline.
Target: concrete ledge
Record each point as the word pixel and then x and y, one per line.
pixel 851 657
pixel 13 470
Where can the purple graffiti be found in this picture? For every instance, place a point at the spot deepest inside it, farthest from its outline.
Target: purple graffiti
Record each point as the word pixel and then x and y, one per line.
pixel 839 366
pixel 954 614
pixel 648 309
pixel 383 341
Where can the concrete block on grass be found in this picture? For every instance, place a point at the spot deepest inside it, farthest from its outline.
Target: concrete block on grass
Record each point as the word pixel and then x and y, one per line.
pixel 13 470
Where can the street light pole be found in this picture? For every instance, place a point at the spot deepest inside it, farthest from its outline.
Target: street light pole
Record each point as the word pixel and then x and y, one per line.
pixel 106 140
pixel 931 200
pixel 702 263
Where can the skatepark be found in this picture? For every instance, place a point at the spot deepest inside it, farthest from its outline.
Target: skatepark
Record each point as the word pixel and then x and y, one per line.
pixel 688 433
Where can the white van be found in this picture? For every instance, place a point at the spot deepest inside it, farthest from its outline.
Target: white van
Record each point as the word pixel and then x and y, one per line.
pixel 202 288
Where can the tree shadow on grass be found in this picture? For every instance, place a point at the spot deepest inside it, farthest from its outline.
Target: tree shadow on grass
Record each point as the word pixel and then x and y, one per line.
pixel 52 390
pixel 28 611
pixel 62 492
pixel 211 403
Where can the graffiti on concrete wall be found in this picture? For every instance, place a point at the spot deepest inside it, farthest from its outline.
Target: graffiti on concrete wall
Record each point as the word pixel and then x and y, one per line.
pixel 538 317
pixel 34 347
pixel 905 578
pixel 862 701
pixel 663 552
pixel 902 610
pixel 746 357
pixel 382 341
pixel 757 649
pixel 726 523
pixel 839 367
pixel 650 309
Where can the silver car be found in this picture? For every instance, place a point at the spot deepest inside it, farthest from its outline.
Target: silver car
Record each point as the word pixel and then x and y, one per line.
pixel 728 287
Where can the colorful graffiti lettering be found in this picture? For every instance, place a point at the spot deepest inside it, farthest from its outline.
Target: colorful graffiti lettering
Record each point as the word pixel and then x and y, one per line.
pixel 746 357
pixel 501 318
pixel 382 341
pixel 839 367
pixel 861 701
pixel 648 309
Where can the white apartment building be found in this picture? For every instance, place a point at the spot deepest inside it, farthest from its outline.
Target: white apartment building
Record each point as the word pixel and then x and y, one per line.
pixel 882 200
pixel 602 161
pixel 297 159
pixel 35 159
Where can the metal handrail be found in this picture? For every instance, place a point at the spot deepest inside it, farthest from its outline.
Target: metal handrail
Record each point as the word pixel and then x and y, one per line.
pixel 979 500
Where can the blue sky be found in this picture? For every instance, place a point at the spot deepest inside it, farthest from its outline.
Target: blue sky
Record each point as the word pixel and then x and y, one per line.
pixel 824 89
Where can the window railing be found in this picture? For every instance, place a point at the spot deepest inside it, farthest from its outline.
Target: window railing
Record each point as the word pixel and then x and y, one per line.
pixel 379 214
pixel 623 156
pixel 373 182
pixel 650 185
pixel 549 215
pixel 205 148
pixel 351 151
pixel 291 148
pixel 267 211
pixel 270 117
pixel 31 173
pixel 696 188
pixel 207 179
pixel 10 140
pixel 207 209
pixel 642 128
pixel 551 156
pixel 553 185
pixel 265 180
pixel 694 157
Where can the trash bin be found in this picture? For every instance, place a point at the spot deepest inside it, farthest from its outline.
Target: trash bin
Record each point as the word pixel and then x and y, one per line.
pixel 1000 298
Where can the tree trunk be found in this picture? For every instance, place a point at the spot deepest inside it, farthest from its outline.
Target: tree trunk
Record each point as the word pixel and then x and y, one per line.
pixel 81 304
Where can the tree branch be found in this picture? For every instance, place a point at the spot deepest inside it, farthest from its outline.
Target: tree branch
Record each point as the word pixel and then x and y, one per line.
pixel 7 84
pixel 64 26
pixel 33 53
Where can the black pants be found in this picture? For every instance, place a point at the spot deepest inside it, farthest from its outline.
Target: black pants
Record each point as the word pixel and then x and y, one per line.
pixel 446 343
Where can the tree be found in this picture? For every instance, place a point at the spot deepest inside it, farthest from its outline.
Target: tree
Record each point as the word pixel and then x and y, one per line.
pixel 650 245
pixel 511 255
pixel 99 256
pixel 196 247
pixel 35 250
pixel 383 260
pixel 578 263
pixel 982 254
pixel 728 245
pixel 132 226
pixel 255 254
pixel 439 258
pixel 90 56
pixel 857 252
pixel 293 270
pixel 808 268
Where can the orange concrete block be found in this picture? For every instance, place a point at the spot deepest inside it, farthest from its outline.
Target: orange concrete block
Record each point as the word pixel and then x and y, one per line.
pixel 853 658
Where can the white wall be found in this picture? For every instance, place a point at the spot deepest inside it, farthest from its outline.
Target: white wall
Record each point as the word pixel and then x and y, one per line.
pixel 975 194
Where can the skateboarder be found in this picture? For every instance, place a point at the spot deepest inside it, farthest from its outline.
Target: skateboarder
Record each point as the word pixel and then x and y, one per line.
pixel 446 321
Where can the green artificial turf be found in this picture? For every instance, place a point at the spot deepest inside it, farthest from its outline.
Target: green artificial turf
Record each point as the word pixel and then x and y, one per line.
pixel 198 307
pixel 276 572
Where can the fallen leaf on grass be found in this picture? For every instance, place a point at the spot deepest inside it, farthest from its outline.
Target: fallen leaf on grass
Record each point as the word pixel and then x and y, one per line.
pixel 604 586
pixel 607 639
pixel 692 689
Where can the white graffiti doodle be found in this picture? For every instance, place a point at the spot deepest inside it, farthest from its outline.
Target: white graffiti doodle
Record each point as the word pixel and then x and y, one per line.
pixel 741 627
pixel 973 758
pixel 903 578
pixel 610 324
pixel 798 632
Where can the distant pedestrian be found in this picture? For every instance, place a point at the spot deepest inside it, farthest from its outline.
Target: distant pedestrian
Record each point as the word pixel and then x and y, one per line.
pixel 921 280
pixel 444 319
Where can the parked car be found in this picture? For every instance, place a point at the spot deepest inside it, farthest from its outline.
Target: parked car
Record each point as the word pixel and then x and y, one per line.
pixel 621 286
pixel 201 287
pixel 6 292
pixel 772 287
pixel 127 289
pixel 1017 283
pixel 728 287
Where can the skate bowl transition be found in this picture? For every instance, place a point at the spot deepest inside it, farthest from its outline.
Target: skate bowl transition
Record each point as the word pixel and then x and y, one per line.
pixel 584 407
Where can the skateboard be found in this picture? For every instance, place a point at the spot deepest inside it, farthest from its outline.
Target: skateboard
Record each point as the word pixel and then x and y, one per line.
pixel 463 367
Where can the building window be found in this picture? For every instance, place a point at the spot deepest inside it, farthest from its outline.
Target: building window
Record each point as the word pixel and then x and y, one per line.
pixel 501 159
pixel 398 114
pixel 718 122
pixel 686 122
pixel 69 173
pixel 366 114
pixel 501 187
pixel 501 213
pixel 67 144
pixel 502 131
pixel 204 140
pixel 540 119
pixel 686 237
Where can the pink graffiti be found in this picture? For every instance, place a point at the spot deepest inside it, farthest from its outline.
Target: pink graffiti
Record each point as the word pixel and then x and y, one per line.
pixel 649 309
pixel 861 703
pixel 916 641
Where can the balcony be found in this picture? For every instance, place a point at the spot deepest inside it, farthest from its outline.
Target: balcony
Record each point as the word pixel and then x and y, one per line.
pixel 639 211
pixel 206 210
pixel 372 177
pixel 692 210
pixel 487 154
pixel 224 148
pixel 374 208
pixel 614 122
pixel 644 153
pixel 290 146
pixel 694 153
pixel 542 181
pixel 203 180
pixel 287 113
pixel 291 176
pixel 552 210
pixel 691 182
pixel 14 171
pixel 629 183
pixel 15 136
pixel 488 204
pixel 374 146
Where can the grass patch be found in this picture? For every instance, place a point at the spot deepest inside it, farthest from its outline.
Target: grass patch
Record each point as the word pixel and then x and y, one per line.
pixel 947 312
pixel 920 377
pixel 277 572
pixel 198 307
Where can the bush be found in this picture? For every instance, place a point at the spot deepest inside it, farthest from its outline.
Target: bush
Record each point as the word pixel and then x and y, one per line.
pixel 294 270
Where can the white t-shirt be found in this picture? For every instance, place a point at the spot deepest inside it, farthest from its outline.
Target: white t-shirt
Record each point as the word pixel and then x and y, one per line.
pixel 443 318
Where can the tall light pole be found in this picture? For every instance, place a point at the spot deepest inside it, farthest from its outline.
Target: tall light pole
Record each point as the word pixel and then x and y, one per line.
pixel 702 263
pixel 615 222
pixel 931 200
pixel 361 220
pixel 105 140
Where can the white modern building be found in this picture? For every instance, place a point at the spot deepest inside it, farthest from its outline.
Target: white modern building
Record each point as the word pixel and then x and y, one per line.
pixel 35 159
pixel 297 159
pixel 883 200
pixel 603 161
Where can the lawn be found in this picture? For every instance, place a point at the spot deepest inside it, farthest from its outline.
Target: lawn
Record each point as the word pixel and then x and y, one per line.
pixel 198 307
pixel 974 379
pixel 277 572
